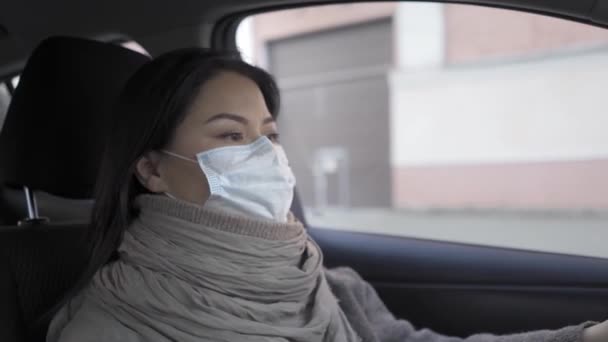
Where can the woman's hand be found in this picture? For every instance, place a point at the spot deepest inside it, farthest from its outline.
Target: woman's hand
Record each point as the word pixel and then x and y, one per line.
pixel 596 333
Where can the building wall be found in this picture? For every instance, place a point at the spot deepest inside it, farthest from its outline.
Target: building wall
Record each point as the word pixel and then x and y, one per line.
pixel 475 33
pixel 337 101
pixel 491 108
pixel 272 26
pixel 529 134
pixel 570 185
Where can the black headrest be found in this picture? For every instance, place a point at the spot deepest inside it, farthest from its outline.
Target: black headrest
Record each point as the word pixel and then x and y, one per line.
pixel 53 134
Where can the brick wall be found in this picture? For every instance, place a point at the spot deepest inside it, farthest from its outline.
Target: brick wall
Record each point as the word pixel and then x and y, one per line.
pixel 474 33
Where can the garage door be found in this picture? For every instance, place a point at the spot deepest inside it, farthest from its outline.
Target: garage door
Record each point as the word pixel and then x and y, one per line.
pixel 335 112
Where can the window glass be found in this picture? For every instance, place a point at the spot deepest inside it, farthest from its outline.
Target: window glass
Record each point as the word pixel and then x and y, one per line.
pixel 135 46
pixel 15 81
pixel 443 121
pixel 5 99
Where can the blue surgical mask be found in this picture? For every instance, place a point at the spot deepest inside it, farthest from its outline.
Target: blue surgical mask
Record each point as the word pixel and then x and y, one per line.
pixel 253 179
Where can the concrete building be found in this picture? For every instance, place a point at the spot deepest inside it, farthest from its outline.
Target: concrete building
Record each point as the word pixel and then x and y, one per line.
pixel 418 105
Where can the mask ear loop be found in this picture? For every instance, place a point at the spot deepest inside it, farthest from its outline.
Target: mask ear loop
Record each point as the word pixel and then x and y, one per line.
pixel 178 156
pixel 170 196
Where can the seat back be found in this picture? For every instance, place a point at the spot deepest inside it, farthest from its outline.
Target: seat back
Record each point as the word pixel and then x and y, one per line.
pixel 40 264
pixel 12 328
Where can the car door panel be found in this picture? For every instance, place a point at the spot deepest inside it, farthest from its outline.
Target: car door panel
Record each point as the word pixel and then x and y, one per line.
pixel 460 290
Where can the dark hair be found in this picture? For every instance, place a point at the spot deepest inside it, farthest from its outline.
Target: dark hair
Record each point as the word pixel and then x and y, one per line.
pixel 152 105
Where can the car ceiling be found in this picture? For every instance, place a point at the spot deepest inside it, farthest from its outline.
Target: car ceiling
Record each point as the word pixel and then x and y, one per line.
pixel 164 25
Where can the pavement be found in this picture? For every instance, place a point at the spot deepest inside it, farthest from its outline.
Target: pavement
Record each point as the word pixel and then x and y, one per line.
pixel 574 233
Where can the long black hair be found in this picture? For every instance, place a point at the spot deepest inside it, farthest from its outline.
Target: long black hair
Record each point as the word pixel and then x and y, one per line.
pixel 149 110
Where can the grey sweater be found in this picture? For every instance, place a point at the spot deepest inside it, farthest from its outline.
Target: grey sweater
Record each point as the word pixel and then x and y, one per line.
pixel 374 323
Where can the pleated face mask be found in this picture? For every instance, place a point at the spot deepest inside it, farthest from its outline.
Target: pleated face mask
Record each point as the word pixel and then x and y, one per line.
pixel 253 179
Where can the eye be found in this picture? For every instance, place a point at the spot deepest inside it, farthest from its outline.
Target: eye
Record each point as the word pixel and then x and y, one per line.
pixel 233 136
pixel 274 137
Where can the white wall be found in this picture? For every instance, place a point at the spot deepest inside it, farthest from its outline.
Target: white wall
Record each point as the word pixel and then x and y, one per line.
pixel 5 99
pixel 419 35
pixel 544 110
pixel 245 40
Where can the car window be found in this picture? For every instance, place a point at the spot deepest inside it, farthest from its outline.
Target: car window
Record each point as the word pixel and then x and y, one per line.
pixel 15 81
pixel 5 99
pixel 135 46
pixel 443 121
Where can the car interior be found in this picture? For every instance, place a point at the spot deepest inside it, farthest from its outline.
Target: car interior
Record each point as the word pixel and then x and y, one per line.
pixel 72 68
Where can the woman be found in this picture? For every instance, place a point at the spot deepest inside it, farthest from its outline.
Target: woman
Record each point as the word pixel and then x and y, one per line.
pixel 192 235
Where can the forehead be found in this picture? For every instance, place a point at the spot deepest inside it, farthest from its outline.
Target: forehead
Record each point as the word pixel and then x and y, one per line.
pixel 230 92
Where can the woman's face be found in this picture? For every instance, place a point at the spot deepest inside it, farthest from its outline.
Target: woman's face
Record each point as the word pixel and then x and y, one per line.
pixel 229 110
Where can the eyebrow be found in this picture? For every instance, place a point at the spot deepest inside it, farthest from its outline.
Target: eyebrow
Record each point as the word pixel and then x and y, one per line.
pixel 237 118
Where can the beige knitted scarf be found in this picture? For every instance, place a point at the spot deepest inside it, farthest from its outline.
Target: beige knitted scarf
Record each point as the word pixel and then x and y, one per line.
pixel 187 273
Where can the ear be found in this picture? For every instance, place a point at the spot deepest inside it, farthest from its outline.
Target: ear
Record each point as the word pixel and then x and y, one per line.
pixel 147 171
